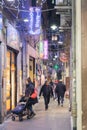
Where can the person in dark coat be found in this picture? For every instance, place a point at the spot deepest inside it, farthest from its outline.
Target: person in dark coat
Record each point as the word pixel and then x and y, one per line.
pixel 60 91
pixel 51 87
pixel 46 91
pixel 30 87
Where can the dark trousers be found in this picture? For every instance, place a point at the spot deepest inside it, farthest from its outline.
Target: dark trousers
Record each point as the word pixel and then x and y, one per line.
pixel 29 105
pixel 60 99
pixel 46 101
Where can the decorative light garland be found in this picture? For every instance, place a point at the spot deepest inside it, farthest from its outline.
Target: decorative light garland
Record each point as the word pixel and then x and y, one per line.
pixel 16 8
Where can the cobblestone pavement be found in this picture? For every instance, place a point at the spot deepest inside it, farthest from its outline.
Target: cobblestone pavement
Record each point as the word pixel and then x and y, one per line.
pixel 55 118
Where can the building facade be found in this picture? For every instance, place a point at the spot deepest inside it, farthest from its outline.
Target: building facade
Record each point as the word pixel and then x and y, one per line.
pixel 17 62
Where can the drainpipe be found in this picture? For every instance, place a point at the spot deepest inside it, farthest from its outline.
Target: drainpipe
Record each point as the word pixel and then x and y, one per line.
pixel 79 63
pixel 1 117
pixel 74 103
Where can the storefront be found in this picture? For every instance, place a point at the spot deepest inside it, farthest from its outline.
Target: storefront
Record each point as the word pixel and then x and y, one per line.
pixel 31 62
pixel 11 79
pixel 32 68
pixel 12 69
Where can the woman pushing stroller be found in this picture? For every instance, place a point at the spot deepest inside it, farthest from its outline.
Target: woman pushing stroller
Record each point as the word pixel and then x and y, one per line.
pixel 24 106
pixel 31 95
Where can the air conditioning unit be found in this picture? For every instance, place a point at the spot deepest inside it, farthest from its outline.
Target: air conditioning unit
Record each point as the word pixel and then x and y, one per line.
pixel 59 2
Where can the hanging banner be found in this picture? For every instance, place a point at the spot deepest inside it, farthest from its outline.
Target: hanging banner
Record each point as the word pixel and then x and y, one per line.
pixel 45 49
pixel 34 20
pixel 1 24
pixel 41 50
pixel 0 21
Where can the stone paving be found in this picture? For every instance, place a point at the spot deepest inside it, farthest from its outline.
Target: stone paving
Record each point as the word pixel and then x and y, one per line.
pixel 55 118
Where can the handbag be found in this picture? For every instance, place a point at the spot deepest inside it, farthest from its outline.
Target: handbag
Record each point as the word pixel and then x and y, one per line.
pixel 34 94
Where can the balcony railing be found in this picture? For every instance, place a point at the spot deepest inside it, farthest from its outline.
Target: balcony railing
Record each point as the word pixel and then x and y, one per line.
pixel 63 2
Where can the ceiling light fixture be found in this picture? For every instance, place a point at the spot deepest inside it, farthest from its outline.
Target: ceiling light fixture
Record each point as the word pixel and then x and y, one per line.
pixel 60 42
pixel 26 20
pixel 10 0
pixel 53 27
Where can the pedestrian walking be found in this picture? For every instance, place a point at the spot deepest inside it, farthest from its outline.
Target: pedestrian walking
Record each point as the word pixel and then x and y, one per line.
pixel 60 91
pixel 51 87
pixel 46 91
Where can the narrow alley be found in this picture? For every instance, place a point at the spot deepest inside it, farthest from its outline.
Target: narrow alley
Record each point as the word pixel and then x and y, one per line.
pixel 55 118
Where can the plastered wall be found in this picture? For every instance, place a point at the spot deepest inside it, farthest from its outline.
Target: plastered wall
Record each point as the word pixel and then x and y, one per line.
pixel 84 64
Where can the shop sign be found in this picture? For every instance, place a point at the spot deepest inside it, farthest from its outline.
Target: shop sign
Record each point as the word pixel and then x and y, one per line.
pixel 63 57
pixel 12 37
pixel 41 49
pixel 34 20
pixel 1 27
pixel 45 49
pixel 56 67
pixel 1 21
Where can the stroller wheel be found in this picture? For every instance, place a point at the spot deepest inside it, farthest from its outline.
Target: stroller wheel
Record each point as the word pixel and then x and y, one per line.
pixel 13 118
pixel 20 118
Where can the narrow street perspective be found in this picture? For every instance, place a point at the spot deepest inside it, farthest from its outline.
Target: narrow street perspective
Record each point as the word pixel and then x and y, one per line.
pixel 55 118
pixel 43 64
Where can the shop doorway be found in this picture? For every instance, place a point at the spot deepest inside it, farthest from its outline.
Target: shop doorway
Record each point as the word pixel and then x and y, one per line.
pixel 11 80
pixel 32 68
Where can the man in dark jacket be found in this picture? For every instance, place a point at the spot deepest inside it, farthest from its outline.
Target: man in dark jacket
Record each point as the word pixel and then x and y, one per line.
pixel 60 91
pixel 46 91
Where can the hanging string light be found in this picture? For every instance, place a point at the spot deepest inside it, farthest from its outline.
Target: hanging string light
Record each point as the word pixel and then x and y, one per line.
pixel 13 3
pixel 19 5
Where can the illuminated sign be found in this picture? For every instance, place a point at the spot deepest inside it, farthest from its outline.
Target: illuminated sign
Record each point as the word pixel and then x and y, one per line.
pixel 45 49
pixel 63 57
pixel 12 37
pixel 34 20
pixel 41 49
pixel 1 27
pixel 56 67
pixel 0 21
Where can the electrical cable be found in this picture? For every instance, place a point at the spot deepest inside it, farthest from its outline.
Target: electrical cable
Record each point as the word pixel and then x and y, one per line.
pixel 21 10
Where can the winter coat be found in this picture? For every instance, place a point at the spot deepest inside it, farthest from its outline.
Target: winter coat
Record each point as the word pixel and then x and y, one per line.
pixel 45 90
pixel 29 89
pixel 60 89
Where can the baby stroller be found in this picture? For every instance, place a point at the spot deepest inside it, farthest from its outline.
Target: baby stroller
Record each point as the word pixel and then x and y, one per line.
pixel 20 110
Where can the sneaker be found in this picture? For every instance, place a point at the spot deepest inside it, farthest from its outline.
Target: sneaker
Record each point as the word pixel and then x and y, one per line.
pixel 61 105
pixel 46 107
pixel 32 114
pixel 58 104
